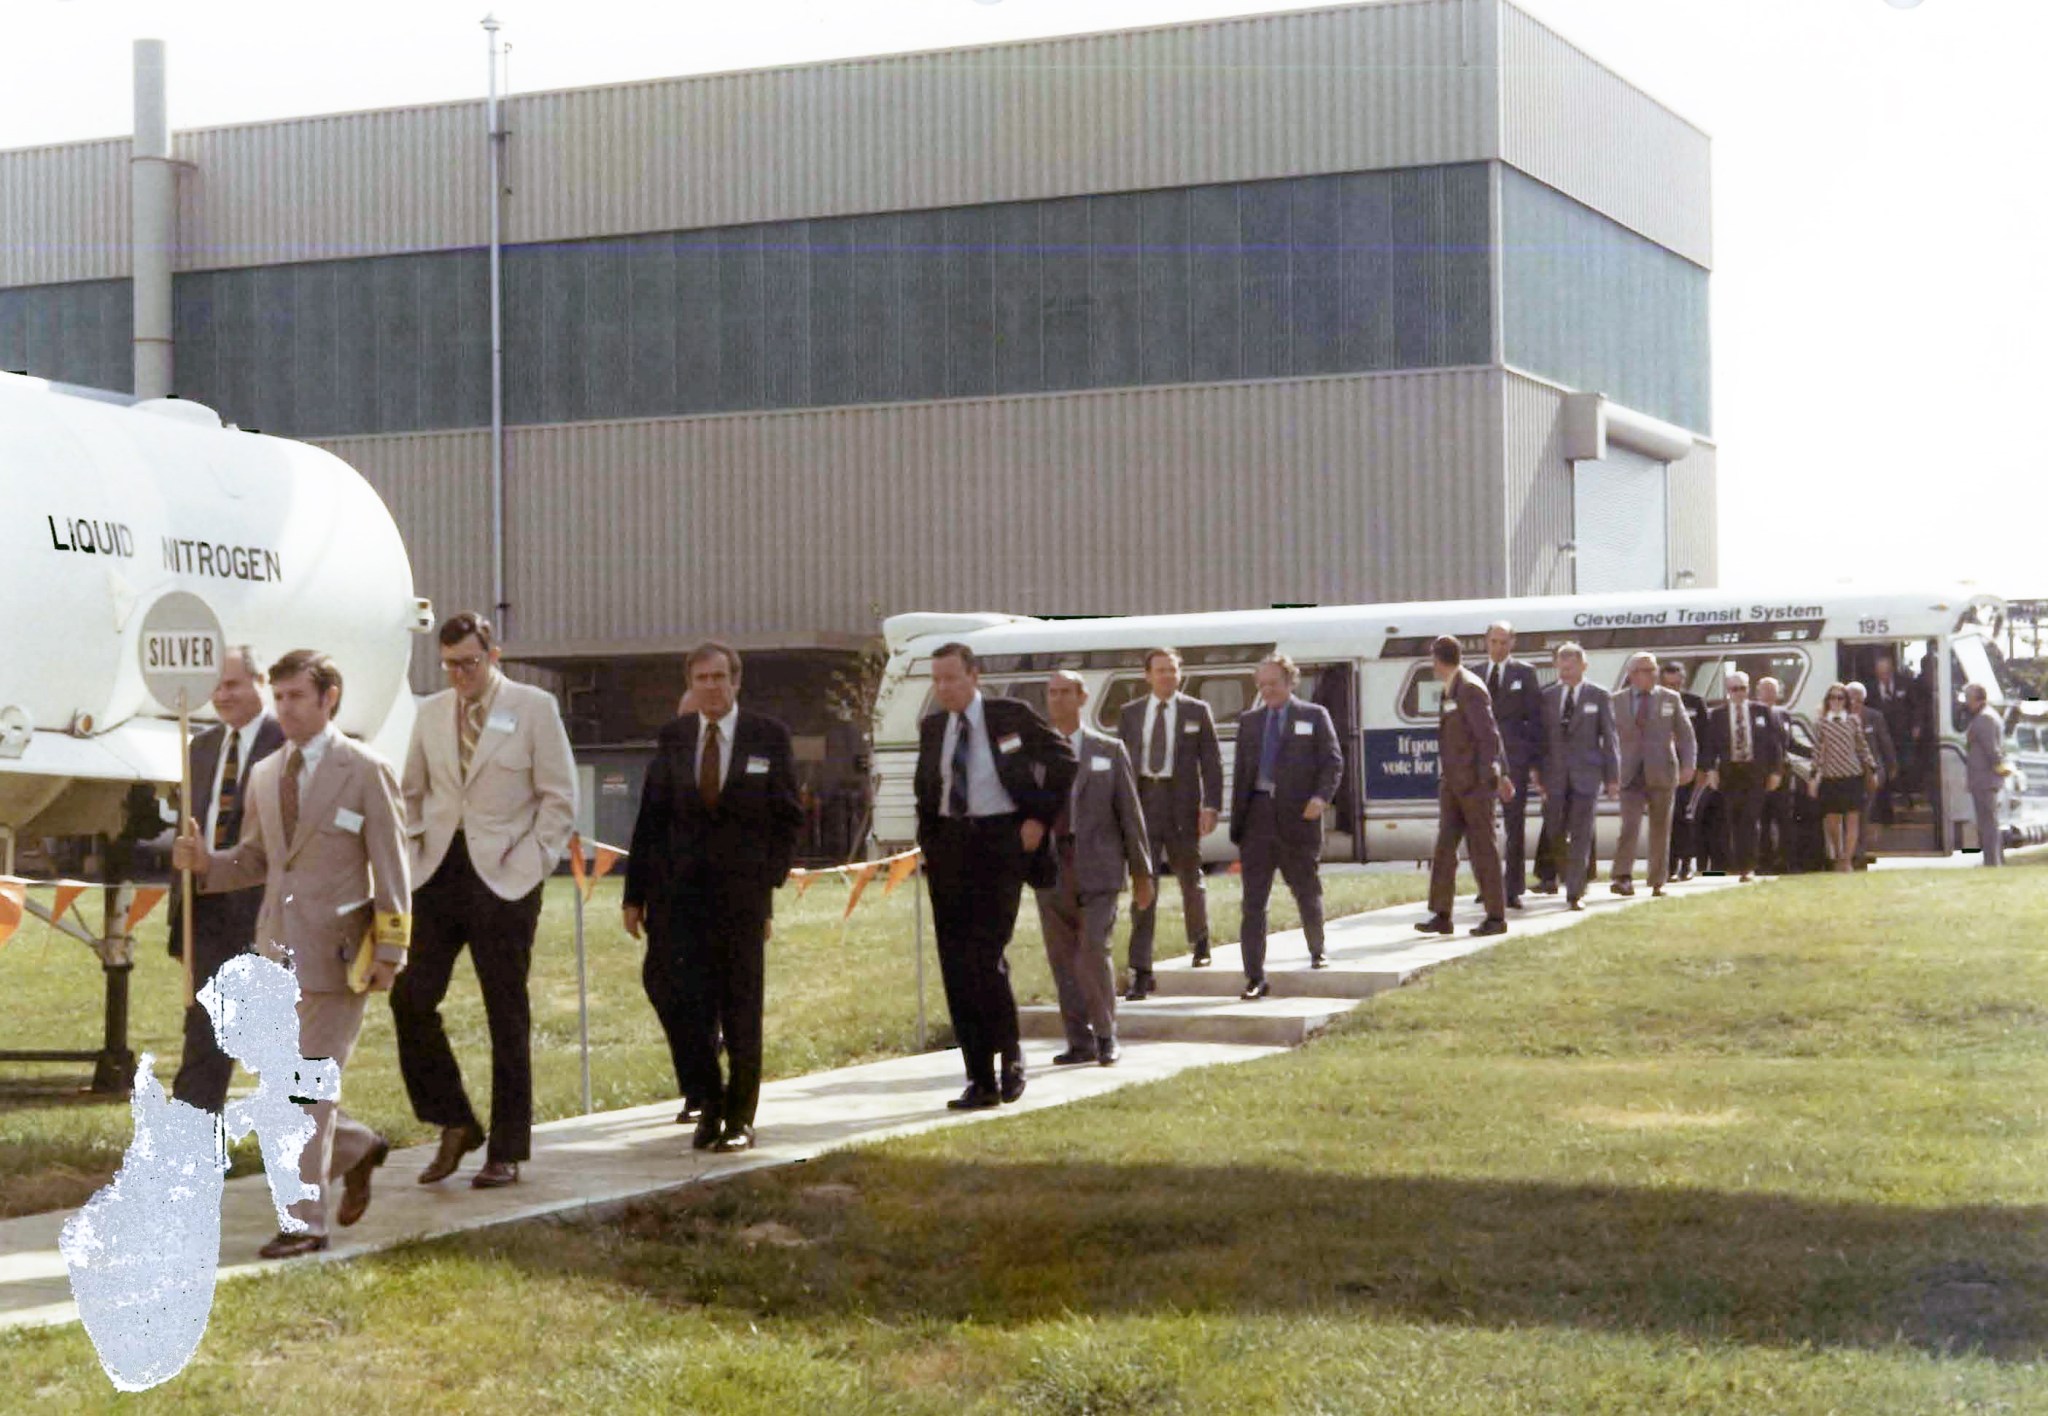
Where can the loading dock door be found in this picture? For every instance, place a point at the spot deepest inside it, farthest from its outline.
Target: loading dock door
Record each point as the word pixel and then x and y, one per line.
pixel 1620 523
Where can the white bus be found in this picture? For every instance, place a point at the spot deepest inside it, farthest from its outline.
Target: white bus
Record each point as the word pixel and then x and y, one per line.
pixel 1369 665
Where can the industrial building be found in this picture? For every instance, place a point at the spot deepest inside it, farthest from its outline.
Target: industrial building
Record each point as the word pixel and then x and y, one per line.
pixel 1401 300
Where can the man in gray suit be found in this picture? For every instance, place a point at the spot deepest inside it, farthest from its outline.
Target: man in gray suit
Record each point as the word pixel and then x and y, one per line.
pixel 1171 736
pixel 1099 833
pixel 1581 763
pixel 1659 751
pixel 1984 755
pixel 1880 734
pixel 1284 776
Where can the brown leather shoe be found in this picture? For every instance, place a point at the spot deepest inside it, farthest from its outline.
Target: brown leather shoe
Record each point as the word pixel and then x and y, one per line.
pixel 355 1184
pixel 456 1142
pixel 291 1246
pixel 495 1175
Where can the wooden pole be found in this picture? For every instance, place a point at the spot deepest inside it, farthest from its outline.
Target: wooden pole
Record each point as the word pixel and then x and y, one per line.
pixel 184 812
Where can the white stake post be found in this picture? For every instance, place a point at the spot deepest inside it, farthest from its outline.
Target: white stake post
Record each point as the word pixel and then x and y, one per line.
pixel 582 981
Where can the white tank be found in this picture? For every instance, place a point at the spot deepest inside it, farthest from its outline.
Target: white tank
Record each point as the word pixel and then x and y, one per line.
pixel 106 506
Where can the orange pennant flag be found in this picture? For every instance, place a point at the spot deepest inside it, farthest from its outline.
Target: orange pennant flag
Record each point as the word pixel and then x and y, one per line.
pixel 802 880
pixel 1236 868
pixel 576 865
pixel 860 883
pixel 899 872
pixel 13 901
pixel 607 857
pixel 146 899
pixel 67 896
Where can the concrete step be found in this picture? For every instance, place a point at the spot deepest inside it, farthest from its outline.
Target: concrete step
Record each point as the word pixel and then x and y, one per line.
pixel 1292 979
pixel 1270 1022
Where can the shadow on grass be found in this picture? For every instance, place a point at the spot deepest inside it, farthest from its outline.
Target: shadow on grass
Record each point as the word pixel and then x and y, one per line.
pixel 898 1239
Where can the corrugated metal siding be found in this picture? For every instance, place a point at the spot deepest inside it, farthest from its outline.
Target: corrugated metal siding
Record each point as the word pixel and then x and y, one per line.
pixel 82 332
pixel 1349 89
pixel 1695 516
pixel 1576 125
pixel 64 212
pixel 1332 490
pixel 1594 306
pixel 1539 488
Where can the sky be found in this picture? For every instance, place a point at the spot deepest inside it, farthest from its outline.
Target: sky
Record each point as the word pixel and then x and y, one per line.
pixel 1879 208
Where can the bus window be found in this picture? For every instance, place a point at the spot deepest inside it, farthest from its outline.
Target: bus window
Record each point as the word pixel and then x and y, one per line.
pixel 1226 694
pixel 1031 691
pixel 1974 660
pixel 2026 739
pixel 1786 666
pixel 1422 696
pixel 1109 703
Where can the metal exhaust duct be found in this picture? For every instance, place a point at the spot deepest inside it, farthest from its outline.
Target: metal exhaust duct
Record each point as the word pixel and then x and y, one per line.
pixel 153 203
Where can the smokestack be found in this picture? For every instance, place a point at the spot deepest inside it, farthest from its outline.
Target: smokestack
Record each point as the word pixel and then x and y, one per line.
pixel 153 202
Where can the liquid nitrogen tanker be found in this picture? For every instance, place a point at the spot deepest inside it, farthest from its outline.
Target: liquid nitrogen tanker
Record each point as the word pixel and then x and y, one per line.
pixel 106 506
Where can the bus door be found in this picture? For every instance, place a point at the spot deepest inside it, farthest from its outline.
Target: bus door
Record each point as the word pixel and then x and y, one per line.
pixel 1335 687
pixel 1902 679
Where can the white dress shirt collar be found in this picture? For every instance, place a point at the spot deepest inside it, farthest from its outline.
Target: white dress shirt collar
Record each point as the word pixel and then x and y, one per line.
pixel 311 753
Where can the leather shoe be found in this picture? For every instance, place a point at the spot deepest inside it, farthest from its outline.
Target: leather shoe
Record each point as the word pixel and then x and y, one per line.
pixel 495 1175
pixel 1546 887
pixel 975 1099
pixel 1012 1085
pixel 1201 958
pixel 1435 924
pixel 456 1142
pixel 1656 892
pixel 1493 924
pixel 355 1184
pixel 290 1246
pixel 707 1132
pixel 736 1138
pixel 1515 902
pixel 1106 1051
pixel 1317 961
pixel 1073 1056
pixel 1573 902
pixel 1745 877
pixel 693 1110
pixel 1621 887
pixel 1142 984
pixel 1255 991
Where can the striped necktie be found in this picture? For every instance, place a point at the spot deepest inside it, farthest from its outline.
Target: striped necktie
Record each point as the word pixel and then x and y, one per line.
pixel 469 727
pixel 288 794
pixel 227 802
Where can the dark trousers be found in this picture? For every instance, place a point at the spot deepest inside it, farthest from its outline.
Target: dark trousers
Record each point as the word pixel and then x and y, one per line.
pixel 452 910
pixel 1468 819
pixel 1262 852
pixel 668 1004
pixel 224 928
pixel 1569 822
pixel 713 951
pixel 1514 819
pixel 1742 806
pixel 975 868
pixel 1775 851
pixel 1183 857
pixel 1684 829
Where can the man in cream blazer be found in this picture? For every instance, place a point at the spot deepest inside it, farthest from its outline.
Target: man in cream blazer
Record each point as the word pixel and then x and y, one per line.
pixel 324 833
pixel 490 800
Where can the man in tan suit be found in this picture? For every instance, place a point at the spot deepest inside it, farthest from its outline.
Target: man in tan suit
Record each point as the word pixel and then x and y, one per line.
pixel 1659 751
pixel 323 832
pixel 490 800
pixel 1472 775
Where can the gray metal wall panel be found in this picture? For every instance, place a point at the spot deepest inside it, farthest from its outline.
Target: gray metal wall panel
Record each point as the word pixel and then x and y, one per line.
pixel 1314 490
pixel 1695 516
pixel 64 213
pixel 81 332
pixel 1569 121
pixel 1596 307
pixel 1538 486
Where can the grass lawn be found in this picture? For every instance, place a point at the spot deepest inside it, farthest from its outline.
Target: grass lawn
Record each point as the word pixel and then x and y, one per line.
pixel 833 998
pixel 1772 1150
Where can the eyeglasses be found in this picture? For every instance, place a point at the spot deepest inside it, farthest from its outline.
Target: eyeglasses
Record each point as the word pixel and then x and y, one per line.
pixel 464 665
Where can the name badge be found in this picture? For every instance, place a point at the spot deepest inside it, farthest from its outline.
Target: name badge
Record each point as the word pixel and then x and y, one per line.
pixel 1099 764
pixel 1191 727
pixel 756 766
pixel 349 821
pixel 1009 744
pixel 1304 729
pixel 502 721
pixel 1450 705
pixel 1668 710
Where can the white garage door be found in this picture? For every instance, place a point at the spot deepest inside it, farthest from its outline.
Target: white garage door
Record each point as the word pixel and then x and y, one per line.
pixel 1619 523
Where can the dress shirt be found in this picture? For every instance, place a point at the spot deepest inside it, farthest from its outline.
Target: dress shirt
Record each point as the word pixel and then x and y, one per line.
pixel 309 756
pixel 1272 743
pixel 246 736
pixel 725 727
pixel 985 793
pixel 1151 725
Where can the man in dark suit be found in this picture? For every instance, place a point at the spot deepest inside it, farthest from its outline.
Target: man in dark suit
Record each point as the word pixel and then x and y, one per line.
pixel 1171 738
pixel 1517 696
pixel 1777 846
pixel 1685 839
pixel 1581 762
pixel 991 779
pixel 718 821
pixel 1877 808
pixel 1898 697
pixel 223 925
pixel 1285 774
pixel 1471 777
pixel 1745 758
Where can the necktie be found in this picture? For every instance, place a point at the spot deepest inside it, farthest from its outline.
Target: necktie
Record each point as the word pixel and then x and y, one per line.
pixel 1269 750
pixel 1741 733
pixel 227 804
pixel 1571 705
pixel 469 727
pixel 1493 682
pixel 956 794
pixel 1642 708
pixel 1155 755
pixel 707 767
pixel 288 794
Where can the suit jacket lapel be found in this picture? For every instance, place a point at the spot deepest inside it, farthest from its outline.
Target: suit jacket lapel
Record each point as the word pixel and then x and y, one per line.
pixel 205 761
pixel 489 740
pixel 316 800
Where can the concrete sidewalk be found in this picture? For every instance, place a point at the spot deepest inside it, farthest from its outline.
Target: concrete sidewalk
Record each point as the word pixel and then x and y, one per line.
pixel 586 1163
